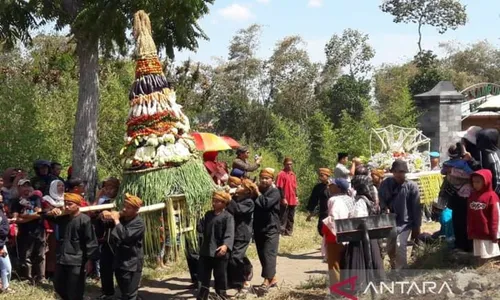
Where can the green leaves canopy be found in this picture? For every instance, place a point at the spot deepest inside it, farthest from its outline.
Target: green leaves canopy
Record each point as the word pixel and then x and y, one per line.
pixel 174 22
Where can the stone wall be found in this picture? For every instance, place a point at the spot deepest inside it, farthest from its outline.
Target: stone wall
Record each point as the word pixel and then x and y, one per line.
pixel 429 122
pixel 450 122
pixel 441 115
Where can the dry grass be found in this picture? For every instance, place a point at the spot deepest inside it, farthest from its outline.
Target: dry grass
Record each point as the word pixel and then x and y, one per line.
pixel 314 288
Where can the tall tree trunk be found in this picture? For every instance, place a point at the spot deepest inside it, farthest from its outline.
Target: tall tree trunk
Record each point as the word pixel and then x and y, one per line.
pixel 85 133
pixel 420 36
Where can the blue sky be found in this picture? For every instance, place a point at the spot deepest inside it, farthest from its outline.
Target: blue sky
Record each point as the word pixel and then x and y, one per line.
pixel 317 20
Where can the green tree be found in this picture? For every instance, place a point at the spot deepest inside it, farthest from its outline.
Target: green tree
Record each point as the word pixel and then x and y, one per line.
pixel 323 140
pixel 351 50
pixel 429 74
pixel 291 77
pixel 442 14
pixel 39 102
pixel 244 68
pixel 238 93
pixel 100 25
pixel 290 139
pixel 394 100
pixel 348 94
pixel 194 88
pixel 478 62
pixel 353 135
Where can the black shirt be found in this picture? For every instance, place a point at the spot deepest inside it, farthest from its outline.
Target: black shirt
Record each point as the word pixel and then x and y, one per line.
pixel 127 241
pixel 77 242
pixel 217 230
pixel 242 211
pixel 267 209
pixel 319 196
pixel 27 206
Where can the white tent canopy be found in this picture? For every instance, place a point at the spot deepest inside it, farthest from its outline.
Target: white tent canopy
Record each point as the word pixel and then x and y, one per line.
pixel 491 104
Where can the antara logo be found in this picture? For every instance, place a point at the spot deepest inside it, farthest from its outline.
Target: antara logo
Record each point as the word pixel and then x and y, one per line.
pixel 392 288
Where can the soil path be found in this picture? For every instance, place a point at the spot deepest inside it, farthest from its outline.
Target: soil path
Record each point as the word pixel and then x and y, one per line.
pixel 292 270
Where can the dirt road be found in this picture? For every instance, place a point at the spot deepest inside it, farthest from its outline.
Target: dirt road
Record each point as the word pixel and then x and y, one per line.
pixel 292 270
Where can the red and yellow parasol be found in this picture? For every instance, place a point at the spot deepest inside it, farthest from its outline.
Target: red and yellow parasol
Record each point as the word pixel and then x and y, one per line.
pixel 208 142
pixel 231 142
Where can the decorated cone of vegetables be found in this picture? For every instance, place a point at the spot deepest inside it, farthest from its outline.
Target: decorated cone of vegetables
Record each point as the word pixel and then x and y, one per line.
pixel 159 157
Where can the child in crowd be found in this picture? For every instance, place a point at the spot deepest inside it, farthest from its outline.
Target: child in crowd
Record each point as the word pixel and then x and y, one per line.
pixel 482 215
pixel 457 171
pixel 217 229
pixel 108 192
pixel 77 186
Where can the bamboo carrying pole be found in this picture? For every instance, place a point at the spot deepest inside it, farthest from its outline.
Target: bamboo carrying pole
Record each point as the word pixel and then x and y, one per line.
pixel 144 209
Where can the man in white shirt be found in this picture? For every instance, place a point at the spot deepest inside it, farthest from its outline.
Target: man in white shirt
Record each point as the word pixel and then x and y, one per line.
pixel 341 170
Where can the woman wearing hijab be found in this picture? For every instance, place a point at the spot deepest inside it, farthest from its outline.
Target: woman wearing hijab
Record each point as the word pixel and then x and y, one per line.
pixel 487 143
pixel 55 199
pixel 469 140
pixel 354 263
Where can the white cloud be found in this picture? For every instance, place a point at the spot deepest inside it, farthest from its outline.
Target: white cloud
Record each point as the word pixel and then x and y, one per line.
pixel 236 12
pixel 263 1
pixel 315 3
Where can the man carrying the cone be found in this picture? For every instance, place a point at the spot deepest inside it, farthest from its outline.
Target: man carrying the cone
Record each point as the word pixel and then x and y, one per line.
pixel 126 240
pixel 77 244
pixel 267 226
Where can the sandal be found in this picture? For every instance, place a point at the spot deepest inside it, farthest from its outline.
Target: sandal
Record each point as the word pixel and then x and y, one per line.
pixel 273 282
pixel 8 291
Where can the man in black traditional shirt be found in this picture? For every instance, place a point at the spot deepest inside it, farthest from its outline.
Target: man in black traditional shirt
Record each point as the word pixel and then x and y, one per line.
pixel 127 239
pixel 267 226
pixel 320 196
pixel 77 244
pixel 242 207
pixel 217 229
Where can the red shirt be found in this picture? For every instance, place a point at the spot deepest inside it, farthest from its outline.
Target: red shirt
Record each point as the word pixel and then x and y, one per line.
pixel 287 182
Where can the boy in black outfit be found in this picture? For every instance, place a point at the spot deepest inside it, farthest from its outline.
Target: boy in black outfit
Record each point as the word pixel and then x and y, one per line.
pixel 217 229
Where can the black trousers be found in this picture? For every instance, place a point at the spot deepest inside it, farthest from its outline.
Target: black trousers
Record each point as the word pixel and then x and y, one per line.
pixel 128 283
pixel 31 256
pixel 106 264
pixel 459 219
pixel 267 249
pixel 192 258
pixel 69 282
pixel 287 216
pixel 239 267
pixel 219 267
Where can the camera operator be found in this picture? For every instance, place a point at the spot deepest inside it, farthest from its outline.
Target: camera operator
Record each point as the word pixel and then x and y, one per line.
pixel 241 161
